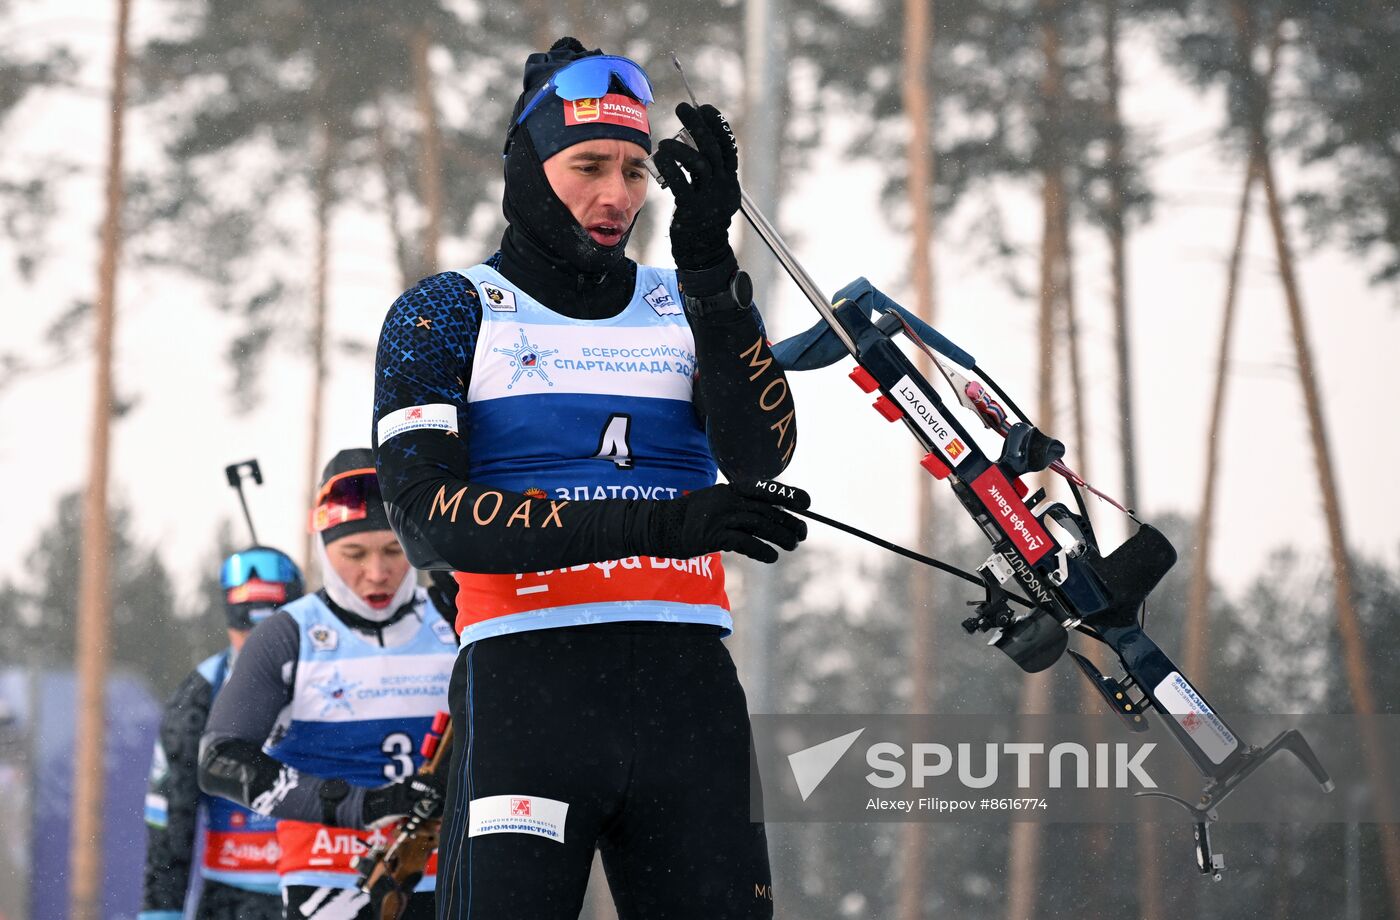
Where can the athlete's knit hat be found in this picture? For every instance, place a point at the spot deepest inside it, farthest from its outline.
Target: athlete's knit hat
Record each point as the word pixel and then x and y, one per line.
pixel 348 501
pixel 554 123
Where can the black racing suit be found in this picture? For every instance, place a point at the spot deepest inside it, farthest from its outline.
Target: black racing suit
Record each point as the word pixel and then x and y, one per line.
pixel 639 728
pixel 173 810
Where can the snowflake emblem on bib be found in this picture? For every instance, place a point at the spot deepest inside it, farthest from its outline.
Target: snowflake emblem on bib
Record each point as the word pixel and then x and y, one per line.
pixel 335 693
pixel 527 360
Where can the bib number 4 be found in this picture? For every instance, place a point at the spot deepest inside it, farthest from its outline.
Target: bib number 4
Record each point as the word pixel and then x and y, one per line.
pixel 615 442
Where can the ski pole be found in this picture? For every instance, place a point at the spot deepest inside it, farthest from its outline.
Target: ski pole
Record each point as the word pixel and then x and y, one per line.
pixel 774 241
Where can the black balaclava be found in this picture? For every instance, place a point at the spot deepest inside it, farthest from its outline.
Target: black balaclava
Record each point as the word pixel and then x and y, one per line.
pixel 544 249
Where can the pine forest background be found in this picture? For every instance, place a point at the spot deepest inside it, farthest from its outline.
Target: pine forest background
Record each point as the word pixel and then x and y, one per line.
pixel 266 158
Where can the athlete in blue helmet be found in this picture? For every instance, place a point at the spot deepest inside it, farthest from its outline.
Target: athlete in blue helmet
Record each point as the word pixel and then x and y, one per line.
pixel 549 424
pixel 239 848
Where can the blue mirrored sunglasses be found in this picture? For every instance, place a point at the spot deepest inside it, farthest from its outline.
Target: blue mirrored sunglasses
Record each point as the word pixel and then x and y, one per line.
pixel 260 563
pixel 589 78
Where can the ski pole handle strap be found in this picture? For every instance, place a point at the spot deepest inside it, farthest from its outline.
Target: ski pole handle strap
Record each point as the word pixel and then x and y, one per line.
pixel 819 346
pixel 816 347
pixel 872 298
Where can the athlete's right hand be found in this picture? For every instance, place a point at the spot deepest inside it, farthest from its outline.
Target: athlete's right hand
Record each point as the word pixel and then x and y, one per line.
pixel 388 803
pixel 738 518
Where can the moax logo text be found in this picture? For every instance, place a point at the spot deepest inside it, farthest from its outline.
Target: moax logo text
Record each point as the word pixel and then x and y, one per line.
pixel 776 488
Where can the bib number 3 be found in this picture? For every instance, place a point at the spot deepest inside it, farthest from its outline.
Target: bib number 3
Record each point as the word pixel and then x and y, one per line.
pixel 398 747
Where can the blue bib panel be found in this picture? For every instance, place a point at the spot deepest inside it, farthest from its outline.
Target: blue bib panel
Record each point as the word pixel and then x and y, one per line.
pixel 358 711
pixel 571 409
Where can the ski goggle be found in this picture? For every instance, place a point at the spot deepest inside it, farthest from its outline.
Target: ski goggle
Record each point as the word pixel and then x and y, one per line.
pixel 258 565
pixel 344 498
pixel 589 78
pixel 257 591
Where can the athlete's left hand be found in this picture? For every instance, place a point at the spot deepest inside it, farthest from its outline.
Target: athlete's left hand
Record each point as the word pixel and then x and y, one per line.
pixel 395 800
pixel 742 517
pixel 708 199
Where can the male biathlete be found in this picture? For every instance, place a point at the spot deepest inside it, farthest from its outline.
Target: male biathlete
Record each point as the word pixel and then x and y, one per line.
pixel 320 724
pixel 549 424
pixel 239 863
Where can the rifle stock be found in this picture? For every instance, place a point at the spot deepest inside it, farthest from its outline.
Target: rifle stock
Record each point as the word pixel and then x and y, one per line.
pixel 389 875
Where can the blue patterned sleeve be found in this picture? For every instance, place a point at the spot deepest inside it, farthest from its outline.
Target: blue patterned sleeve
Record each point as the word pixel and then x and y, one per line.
pixel 421 368
pixel 424 359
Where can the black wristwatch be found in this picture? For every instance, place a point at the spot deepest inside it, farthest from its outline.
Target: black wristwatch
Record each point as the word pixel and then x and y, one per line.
pixel 332 792
pixel 739 296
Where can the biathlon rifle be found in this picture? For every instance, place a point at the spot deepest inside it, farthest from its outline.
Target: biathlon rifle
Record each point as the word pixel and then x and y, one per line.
pixel 1039 546
pixel 234 473
pixel 388 874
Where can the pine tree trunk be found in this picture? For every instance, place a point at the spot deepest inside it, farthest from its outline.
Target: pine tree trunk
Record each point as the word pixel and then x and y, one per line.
pixel 1068 309
pixel 1095 837
pixel 918 109
pixel 1118 256
pixel 429 152
pixel 1198 605
pixel 1023 860
pixel 541 13
pixel 1353 649
pixel 94 579
pixel 1197 625
pixel 384 154
pixel 1149 875
pixel 577 12
pixel 320 295
pixel 1358 669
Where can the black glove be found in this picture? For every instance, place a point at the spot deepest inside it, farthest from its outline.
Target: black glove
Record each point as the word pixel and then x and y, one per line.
pixel 706 201
pixel 387 803
pixel 443 593
pixel 738 518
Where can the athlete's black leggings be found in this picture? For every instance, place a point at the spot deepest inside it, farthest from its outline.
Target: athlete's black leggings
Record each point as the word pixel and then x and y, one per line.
pixel 643 730
pixel 225 902
pixel 307 902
